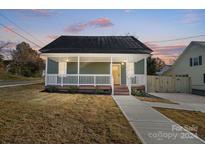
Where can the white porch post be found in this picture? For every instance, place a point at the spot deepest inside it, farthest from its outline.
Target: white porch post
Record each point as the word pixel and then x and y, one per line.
pixel 78 70
pixel 128 83
pixel 111 78
pixel 145 73
pixel 46 71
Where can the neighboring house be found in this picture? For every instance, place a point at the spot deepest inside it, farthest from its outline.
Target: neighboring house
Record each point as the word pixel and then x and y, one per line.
pixel 164 69
pixel 191 63
pixel 98 61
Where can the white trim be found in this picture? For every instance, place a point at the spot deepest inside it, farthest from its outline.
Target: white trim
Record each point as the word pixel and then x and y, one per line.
pixel 128 57
pixel 120 72
pixel 78 70
pixel 145 73
pixel 46 71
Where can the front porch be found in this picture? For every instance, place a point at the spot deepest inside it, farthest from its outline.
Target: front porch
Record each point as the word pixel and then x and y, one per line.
pixel 96 71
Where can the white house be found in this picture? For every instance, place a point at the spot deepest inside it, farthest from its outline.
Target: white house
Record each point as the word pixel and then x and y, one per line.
pixel 191 63
pixel 115 62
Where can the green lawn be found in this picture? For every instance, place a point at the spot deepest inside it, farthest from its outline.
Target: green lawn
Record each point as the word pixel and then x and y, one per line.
pixel 28 115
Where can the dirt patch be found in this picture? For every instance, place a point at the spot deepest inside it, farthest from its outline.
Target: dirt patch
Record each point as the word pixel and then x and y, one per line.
pixel 153 99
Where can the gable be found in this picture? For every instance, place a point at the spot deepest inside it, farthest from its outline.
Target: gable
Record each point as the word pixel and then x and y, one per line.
pixel 194 50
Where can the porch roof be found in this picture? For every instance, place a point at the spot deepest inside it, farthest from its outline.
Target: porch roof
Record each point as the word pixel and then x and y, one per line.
pixel 96 44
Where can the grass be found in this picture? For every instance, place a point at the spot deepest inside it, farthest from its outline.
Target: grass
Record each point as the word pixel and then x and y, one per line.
pixel 153 99
pixel 9 76
pixel 28 115
pixel 186 119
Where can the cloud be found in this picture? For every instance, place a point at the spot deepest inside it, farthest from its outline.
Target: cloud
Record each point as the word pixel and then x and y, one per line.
pixel 168 53
pixel 101 22
pixel 76 28
pixel 191 17
pixel 8 29
pixel 52 37
pixel 98 23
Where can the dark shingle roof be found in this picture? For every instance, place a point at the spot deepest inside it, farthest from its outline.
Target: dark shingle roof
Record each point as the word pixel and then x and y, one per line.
pixel 96 44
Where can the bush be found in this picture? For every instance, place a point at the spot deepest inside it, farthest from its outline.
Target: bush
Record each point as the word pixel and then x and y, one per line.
pixel 72 89
pixel 138 92
pixel 51 89
pixel 101 91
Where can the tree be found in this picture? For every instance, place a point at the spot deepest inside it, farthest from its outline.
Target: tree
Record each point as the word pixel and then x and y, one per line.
pixel 154 65
pixel 2 46
pixel 26 61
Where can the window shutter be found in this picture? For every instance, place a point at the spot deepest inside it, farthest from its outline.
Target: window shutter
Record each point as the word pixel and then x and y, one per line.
pixel 200 60
pixel 190 61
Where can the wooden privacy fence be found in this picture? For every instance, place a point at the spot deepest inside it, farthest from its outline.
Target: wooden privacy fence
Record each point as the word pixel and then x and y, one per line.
pixel 169 84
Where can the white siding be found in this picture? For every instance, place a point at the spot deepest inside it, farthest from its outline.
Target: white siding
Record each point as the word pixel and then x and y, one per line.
pixel 183 67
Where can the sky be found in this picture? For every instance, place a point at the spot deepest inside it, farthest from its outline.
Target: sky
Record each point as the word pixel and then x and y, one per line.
pixel 151 27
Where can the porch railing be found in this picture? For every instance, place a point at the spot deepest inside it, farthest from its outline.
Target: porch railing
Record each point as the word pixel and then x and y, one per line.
pixel 138 79
pixel 81 79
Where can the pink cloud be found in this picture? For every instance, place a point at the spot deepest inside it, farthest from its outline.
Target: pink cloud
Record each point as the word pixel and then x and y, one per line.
pixel 76 28
pixel 101 22
pixel 8 29
pixel 52 37
pixel 168 53
pixel 98 23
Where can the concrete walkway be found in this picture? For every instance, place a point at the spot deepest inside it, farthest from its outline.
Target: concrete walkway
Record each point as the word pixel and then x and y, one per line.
pixel 151 126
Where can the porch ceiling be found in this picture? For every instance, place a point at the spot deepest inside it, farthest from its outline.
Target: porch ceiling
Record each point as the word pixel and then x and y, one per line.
pixel 116 58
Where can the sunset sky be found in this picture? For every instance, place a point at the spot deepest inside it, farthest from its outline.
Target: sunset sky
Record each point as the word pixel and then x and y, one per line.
pixel 149 26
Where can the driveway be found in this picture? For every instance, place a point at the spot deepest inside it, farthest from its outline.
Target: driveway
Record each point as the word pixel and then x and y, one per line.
pixel 185 101
pixel 182 98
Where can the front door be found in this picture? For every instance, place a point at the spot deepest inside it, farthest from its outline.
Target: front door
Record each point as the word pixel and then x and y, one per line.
pixel 116 72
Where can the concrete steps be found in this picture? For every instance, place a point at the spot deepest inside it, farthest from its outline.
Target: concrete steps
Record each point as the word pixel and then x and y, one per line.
pixel 121 90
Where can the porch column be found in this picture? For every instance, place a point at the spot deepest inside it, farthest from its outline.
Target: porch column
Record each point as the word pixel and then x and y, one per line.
pixel 145 73
pixel 46 71
pixel 111 78
pixel 78 70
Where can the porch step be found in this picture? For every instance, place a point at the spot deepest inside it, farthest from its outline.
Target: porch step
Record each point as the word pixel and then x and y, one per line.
pixel 121 93
pixel 121 90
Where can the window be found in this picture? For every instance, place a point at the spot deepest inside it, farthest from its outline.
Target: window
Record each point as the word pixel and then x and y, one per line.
pixel 195 61
pixel 200 60
pixel 204 77
pixel 62 68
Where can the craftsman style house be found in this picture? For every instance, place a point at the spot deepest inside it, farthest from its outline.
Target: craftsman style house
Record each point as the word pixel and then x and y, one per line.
pixel 115 62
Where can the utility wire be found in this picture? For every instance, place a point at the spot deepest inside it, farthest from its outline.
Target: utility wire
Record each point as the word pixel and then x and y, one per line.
pixel 176 39
pixel 19 35
pixel 20 27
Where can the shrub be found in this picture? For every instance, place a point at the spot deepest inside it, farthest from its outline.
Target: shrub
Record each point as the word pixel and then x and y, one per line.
pixel 138 92
pixel 72 89
pixel 51 89
pixel 101 91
